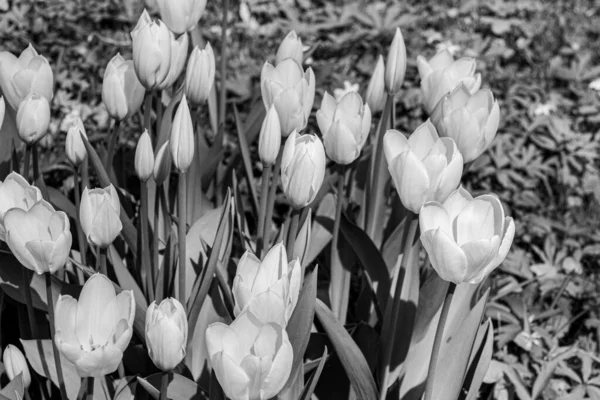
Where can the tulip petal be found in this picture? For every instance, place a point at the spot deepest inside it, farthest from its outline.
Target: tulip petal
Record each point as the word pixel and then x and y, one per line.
pixel 432 216
pixel 97 292
pixel 479 254
pixel 411 180
pixel 65 319
pixel 394 143
pixel 423 139
pixel 457 200
pixel 446 257
pixel 223 338
pixel 476 221
pixel 266 344
pixel 280 369
pixel 268 307
pixel 102 361
pixel 271 269
pixel 231 376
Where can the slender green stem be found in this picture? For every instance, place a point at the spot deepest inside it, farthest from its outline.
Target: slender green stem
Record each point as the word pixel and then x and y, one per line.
pixel 26 162
pixel 159 112
pixel 181 232
pixel 148 112
pixel 57 362
pixel 271 199
pixel 80 235
pixel 90 388
pixel 292 233
pixel 223 67
pixel 340 277
pixel 85 174
pixel 144 241
pixel 437 342
pixel 101 261
pixel 155 265
pixel 378 174
pixel 264 193
pixel 112 144
pixel 164 384
pixel 82 389
pixel 38 179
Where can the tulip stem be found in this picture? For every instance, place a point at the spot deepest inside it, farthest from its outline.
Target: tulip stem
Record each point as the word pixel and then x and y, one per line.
pixel 264 193
pixel 155 242
pixel 437 342
pixel 80 235
pixel 377 174
pixel 164 384
pixel 292 233
pixel 271 200
pixel 112 144
pixel 90 388
pixel 148 112
pixel 101 261
pixel 223 69
pixel 38 179
pixel 26 162
pixel 145 266
pixel 57 362
pixel 181 232
pixel 340 277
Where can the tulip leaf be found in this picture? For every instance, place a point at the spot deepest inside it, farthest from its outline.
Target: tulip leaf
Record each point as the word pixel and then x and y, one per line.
pixel 480 360
pixel 125 388
pixel 352 359
pixel 321 228
pixel 310 386
pixel 14 390
pixel 301 321
pixel 246 158
pixel 126 281
pixel 61 202
pixel 179 387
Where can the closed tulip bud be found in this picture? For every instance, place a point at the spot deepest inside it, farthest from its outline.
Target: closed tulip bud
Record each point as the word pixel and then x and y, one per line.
pixel 181 15
pixel 33 118
pixel 345 126
pixel 16 192
pixel 442 74
pixel 269 140
pixel 151 51
pixel 375 96
pixel 302 168
pixel 15 364
pixel 251 358
pixel 291 90
pixel 423 167
pixel 144 157
pixel 290 47
pixel 162 164
pixel 21 76
pixel 254 277
pixel 40 238
pixel 471 120
pixel 166 333
pixel 466 238
pixel 179 52
pixel 395 68
pixel 99 215
pixel 122 92
pixel 93 333
pixel 182 137
pixel 74 146
pixel 200 74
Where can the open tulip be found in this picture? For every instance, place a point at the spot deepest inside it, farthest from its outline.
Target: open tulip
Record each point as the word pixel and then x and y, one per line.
pixel 40 238
pixel 274 272
pixel 200 74
pixel 182 137
pixel 166 333
pixel 344 125
pixel 181 15
pixel 15 364
pixel 16 192
pixel 291 90
pixel 471 120
pixel 74 146
pixel 93 332
pixel 179 52
pixel 21 76
pixel 151 51
pixel 100 215
pixel 122 92
pixel 302 168
pixel 33 118
pixel 442 74
pixel 375 95
pixel 290 47
pixel 466 237
pixel 395 68
pixel 269 140
pixel 144 157
pixel 252 358
pixel 424 167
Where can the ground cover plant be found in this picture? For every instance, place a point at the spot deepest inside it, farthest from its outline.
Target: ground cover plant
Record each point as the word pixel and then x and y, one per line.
pixel 372 200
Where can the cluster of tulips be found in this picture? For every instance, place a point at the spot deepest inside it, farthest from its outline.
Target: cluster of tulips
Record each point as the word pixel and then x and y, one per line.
pixel 252 357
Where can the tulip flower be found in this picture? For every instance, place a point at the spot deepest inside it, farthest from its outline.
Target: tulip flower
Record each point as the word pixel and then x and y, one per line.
pixel 423 167
pixel 151 51
pixel 252 358
pixel 274 272
pixel 181 15
pixel 471 120
pixel 166 333
pixel 16 192
pixel 182 137
pixel 179 52
pixel 345 126
pixel 395 68
pixel 375 95
pixel 465 237
pixel 21 76
pixel 15 364
pixel 269 140
pixel 99 215
pixel 291 90
pixel 122 92
pixel 290 47
pixel 442 74
pixel 302 168
pixel 40 238
pixel 144 157
pixel 162 164
pixel 74 146
pixel 200 74
pixel 92 333
pixel 33 118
